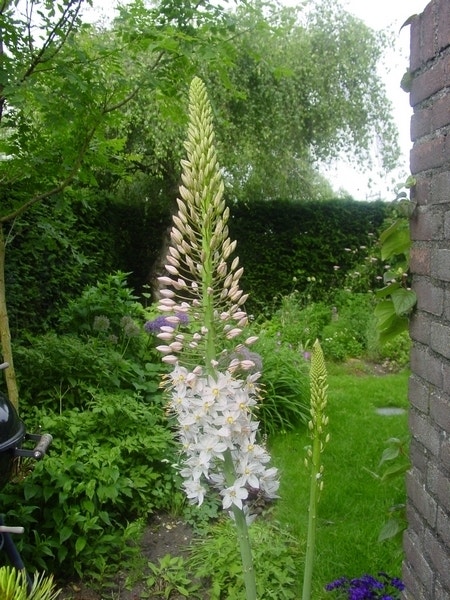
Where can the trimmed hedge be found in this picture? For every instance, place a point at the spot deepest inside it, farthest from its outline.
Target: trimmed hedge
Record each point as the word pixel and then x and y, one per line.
pixel 283 245
pixel 55 254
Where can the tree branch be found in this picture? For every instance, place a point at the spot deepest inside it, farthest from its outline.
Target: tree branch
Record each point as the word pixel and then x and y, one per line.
pixel 67 19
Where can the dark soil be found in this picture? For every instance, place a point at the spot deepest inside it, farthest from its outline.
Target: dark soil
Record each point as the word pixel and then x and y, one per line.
pixel 164 535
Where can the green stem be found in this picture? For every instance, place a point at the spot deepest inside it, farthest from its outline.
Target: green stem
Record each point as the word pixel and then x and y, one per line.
pixel 246 553
pixel 243 535
pixel 312 519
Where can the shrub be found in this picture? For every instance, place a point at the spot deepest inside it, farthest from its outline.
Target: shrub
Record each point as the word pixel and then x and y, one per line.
pixel 108 467
pixel 346 336
pixel 285 383
pixel 57 371
pixel 215 560
pixel 393 354
pixel 106 309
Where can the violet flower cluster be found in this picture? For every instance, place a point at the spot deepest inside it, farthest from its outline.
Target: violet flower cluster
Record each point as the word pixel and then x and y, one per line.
pixel 368 587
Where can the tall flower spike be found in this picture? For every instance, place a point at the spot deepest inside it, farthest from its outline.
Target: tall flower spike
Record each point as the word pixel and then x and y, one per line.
pixel 204 323
pixel 317 427
pixel 199 271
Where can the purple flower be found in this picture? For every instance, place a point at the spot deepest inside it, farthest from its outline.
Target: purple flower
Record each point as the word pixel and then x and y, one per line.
pixel 368 587
pixel 155 325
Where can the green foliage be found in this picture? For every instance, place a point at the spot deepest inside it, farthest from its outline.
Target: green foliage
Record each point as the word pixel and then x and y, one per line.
pixel 284 382
pixel 74 246
pixel 109 301
pixel 343 327
pixel 392 354
pixel 170 576
pixel 346 336
pixel 107 347
pixel 70 367
pixel 14 586
pixel 393 465
pixel 109 465
pixel 299 321
pixel 396 299
pixel 201 517
pixel 301 246
pixel 275 109
pixel 215 560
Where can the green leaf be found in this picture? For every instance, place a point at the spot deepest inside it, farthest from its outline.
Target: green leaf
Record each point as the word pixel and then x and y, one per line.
pixel 395 240
pixel 80 544
pixel 403 301
pixel 387 291
pixel 65 534
pixel 384 311
pixel 389 530
pixel 389 323
pixel 394 471
pixel 389 454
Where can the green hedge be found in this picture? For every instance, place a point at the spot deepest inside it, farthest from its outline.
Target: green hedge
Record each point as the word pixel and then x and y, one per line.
pixel 61 248
pixel 284 246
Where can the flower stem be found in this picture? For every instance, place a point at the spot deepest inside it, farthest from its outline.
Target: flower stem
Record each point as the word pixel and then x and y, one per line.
pixel 246 553
pixel 318 382
pixel 312 522
pixel 242 533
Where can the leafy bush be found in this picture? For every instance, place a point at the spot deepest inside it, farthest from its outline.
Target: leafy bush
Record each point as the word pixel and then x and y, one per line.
pixel 215 560
pixel 296 322
pixel 343 327
pixel 347 334
pixel 303 241
pixel 72 244
pixel 393 354
pixel 57 371
pixel 104 310
pixel 285 386
pixel 108 467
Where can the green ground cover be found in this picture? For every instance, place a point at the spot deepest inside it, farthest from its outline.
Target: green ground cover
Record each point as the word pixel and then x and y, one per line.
pixel 354 504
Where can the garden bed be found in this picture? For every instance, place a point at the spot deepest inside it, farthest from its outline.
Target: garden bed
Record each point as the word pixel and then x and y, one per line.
pixel 163 535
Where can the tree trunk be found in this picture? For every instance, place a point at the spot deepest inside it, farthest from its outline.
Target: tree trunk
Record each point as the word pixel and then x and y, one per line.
pixel 5 334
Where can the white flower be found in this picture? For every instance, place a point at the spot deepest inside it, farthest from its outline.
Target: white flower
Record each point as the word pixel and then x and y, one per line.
pixel 214 414
pixel 234 494
pixel 195 491
pixel 269 483
pixel 249 470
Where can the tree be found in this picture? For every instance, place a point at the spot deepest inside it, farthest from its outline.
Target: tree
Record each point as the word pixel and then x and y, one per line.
pixel 303 88
pixel 290 87
pixel 62 88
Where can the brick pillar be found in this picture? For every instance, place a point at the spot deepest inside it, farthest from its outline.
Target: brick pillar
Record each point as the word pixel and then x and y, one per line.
pixel 426 569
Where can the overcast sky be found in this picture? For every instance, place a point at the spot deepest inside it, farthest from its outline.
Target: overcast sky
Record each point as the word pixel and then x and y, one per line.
pixel 377 14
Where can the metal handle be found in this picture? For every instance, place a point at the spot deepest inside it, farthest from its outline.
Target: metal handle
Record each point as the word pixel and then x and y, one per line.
pixel 42 446
pixel 8 529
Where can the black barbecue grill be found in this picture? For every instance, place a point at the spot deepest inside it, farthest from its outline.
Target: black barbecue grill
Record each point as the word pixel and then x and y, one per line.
pixel 13 436
pixel 13 439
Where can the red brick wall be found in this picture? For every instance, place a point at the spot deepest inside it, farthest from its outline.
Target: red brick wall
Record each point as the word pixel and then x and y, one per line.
pixel 426 569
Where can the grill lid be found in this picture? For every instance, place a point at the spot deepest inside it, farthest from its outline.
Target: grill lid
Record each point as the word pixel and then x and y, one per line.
pixel 12 430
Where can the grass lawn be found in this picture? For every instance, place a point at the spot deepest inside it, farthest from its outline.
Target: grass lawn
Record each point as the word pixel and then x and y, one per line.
pixel 354 505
